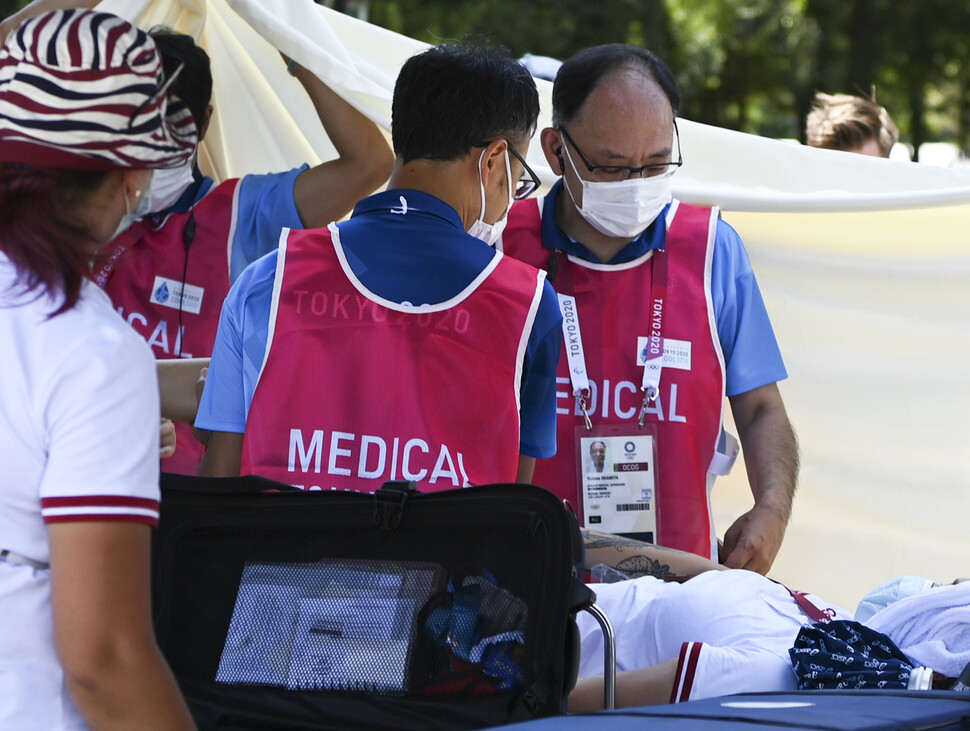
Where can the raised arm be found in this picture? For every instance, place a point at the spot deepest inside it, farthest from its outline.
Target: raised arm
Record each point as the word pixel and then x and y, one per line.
pixel 771 458
pixel 330 190
pixel 635 558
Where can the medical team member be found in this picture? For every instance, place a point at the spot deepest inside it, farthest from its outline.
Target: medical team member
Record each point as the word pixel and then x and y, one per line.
pixel 169 273
pixel 662 318
pixel 79 404
pixel 400 344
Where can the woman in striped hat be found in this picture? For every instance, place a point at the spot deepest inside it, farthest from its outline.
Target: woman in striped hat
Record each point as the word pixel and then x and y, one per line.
pixel 84 119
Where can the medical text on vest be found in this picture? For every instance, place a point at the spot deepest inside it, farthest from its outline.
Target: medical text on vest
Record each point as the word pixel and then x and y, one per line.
pixel 372 457
pixel 159 337
pixel 622 401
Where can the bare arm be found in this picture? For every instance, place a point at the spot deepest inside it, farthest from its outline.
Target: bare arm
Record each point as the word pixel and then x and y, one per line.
pixel 527 468
pixel 635 558
pixel 223 455
pixel 177 385
pixel 100 586
pixel 649 686
pixel 330 190
pixel 771 458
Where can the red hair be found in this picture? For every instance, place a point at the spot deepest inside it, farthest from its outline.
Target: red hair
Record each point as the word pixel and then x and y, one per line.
pixel 40 232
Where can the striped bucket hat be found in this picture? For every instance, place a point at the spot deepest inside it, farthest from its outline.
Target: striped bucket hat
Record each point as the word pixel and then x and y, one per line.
pixel 83 89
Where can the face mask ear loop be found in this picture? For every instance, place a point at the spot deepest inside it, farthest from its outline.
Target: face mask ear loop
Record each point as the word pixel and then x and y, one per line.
pixel 508 181
pixel 481 185
pixel 575 172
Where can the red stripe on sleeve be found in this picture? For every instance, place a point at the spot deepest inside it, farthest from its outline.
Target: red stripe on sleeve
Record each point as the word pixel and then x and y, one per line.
pixel 680 669
pixel 87 501
pixel 690 652
pixel 695 653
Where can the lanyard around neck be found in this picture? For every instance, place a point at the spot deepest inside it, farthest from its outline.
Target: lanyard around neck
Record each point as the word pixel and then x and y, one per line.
pixel 652 354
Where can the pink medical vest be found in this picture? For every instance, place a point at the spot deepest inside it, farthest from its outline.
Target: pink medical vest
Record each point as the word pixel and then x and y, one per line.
pixel 143 273
pixel 613 304
pixel 357 390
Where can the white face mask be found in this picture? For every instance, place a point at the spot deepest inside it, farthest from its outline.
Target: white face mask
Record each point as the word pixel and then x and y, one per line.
pixel 490 233
pixel 169 184
pixel 142 207
pixel 623 208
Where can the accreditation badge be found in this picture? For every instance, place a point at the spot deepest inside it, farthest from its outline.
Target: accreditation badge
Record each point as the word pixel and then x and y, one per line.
pixel 617 466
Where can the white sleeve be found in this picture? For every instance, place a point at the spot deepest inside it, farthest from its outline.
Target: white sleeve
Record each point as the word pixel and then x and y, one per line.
pixel 101 417
pixel 706 671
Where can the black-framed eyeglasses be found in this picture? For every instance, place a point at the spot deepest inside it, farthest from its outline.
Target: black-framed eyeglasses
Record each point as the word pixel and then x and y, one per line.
pixel 524 188
pixel 157 94
pixel 625 172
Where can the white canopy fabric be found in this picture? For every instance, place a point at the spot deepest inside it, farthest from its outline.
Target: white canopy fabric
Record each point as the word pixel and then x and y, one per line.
pixel 864 264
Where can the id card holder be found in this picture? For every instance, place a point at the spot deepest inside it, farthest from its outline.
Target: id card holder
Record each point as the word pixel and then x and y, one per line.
pixel 617 469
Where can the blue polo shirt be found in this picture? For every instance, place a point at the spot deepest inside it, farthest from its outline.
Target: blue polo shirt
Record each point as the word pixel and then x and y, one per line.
pixel 424 257
pixel 265 205
pixel 751 355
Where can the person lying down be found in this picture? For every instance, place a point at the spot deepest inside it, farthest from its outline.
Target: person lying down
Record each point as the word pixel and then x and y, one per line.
pixel 724 631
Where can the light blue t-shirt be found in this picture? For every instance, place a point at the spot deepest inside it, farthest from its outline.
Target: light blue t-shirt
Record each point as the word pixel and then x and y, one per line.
pixel 751 355
pixel 424 257
pixel 265 206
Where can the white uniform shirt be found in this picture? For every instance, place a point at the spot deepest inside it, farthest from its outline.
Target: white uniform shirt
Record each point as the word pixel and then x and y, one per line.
pixel 731 631
pixel 79 417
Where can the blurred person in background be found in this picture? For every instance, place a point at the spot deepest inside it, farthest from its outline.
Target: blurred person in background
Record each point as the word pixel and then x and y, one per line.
pixel 851 124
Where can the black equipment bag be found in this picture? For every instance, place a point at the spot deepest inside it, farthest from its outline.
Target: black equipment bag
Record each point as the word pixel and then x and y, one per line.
pixel 283 609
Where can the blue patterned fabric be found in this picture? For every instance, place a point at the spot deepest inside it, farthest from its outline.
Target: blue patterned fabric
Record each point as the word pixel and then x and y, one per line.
pixel 844 654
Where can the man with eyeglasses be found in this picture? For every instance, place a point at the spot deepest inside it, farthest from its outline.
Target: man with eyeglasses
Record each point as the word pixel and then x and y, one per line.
pixel 662 319
pixel 399 344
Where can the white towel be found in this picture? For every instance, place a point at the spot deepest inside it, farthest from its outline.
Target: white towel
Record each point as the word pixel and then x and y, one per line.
pixel 932 628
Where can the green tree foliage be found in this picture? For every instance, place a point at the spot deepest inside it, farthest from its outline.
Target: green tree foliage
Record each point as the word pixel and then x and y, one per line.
pixel 751 65
pixel 738 61
pixel 9 7
pixel 554 28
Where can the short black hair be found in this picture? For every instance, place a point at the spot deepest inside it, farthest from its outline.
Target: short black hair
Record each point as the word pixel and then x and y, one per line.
pixel 578 76
pixel 452 97
pixel 194 84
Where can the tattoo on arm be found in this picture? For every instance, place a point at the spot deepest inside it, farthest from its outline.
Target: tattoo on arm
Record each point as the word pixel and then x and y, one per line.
pixel 637 566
